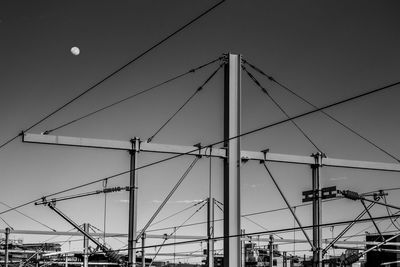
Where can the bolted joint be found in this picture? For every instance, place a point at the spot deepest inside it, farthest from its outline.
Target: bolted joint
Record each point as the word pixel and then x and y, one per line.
pixel 318 159
pixel 265 151
pixel 198 145
pixel 135 143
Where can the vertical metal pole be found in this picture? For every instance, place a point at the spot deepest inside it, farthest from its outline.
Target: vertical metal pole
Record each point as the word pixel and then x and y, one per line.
pixel 271 250
pixel 8 230
pixel 243 248
pixel 317 210
pixel 143 250
pixel 284 259
pixel 133 205
pixel 85 246
pixel 210 232
pixel 232 103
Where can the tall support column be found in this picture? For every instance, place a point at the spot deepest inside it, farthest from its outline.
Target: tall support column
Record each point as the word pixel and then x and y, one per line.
pixel 271 250
pixel 317 210
pixel 133 204
pixel 232 103
pixel 8 230
pixel 210 232
pixel 284 259
pixel 143 250
pixel 85 246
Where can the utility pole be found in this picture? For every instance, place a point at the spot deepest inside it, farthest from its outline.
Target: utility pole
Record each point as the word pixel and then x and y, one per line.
pixel 317 210
pixel 8 230
pixel 232 111
pixel 85 246
pixel 284 259
pixel 133 204
pixel 210 232
pixel 143 250
pixel 271 250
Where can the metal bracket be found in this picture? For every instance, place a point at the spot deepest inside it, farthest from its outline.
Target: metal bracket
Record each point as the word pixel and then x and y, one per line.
pixel 327 192
pixel 265 151
pixel 198 145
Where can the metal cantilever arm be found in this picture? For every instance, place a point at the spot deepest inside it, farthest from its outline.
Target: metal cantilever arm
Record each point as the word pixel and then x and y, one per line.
pixel 109 253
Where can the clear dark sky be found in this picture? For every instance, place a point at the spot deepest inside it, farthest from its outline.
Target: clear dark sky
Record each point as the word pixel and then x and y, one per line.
pixel 324 50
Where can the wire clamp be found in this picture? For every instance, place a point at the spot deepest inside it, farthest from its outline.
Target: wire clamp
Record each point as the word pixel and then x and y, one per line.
pixel 198 145
pixel 265 151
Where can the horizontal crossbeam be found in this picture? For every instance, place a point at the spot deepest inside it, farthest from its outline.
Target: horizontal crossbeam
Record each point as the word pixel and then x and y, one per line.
pixel 206 151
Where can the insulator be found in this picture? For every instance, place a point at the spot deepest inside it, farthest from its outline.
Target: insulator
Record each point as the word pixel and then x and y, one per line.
pixel 351 259
pixel 351 195
pixel 114 256
pixel 112 189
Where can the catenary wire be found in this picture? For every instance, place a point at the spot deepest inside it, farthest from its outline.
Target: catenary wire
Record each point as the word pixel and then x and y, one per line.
pixel 185 103
pixel 29 217
pixel 265 91
pixel 270 125
pixel 282 230
pixel 117 70
pixel 193 70
pixel 259 225
pixel 9 226
pixel 176 213
pixel 175 230
pixel 249 214
pixel 390 213
pixel 272 79
pixel 185 174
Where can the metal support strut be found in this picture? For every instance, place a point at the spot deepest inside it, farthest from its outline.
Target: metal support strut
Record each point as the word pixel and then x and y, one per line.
pixel 232 103
pixel 317 210
pixel 210 232
pixel 133 204
pixel 85 246
pixel 8 230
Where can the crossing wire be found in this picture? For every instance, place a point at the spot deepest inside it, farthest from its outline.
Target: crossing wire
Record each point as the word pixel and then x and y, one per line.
pixel 272 79
pixel 29 217
pixel 259 225
pixel 191 71
pixel 288 205
pixel 175 230
pixel 9 226
pixel 390 213
pixel 168 197
pixel 117 71
pixel 265 91
pixel 270 125
pixel 282 230
pixel 179 212
pixel 186 102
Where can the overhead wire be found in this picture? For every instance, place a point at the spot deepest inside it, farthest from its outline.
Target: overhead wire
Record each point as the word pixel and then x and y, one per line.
pixel 185 103
pixel 193 70
pixel 281 230
pixel 390 213
pixel 259 225
pixel 270 125
pixel 117 70
pixel 9 226
pixel 168 197
pixel 175 230
pixel 176 213
pixel 288 205
pixel 272 79
pixel 265 91
pixel 29 217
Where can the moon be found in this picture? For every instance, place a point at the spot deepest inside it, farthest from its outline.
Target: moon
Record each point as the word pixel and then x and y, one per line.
pixel 75 51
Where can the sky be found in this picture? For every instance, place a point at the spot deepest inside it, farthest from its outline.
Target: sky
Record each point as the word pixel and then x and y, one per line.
pixel 323 50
